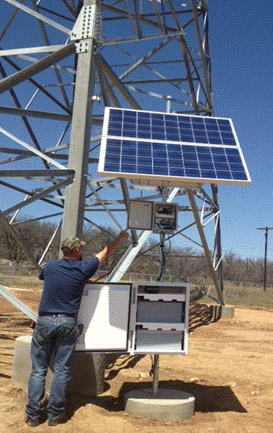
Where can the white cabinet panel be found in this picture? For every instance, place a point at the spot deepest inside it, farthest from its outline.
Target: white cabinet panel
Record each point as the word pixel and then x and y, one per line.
pixel 104 314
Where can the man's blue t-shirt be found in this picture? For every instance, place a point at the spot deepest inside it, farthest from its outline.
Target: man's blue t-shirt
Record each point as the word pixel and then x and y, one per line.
pixel 64 282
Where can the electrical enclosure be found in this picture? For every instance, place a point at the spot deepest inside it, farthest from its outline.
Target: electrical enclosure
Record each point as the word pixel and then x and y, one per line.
pixel 134 318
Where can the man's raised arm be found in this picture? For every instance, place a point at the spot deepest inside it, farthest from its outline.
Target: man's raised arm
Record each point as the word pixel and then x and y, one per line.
pixel 102 255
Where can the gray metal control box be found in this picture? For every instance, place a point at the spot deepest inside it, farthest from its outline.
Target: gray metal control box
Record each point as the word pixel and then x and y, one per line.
pixel 157 217
pixel 134 318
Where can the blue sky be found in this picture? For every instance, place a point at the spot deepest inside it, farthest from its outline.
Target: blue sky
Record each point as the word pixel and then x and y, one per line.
pixel 241 52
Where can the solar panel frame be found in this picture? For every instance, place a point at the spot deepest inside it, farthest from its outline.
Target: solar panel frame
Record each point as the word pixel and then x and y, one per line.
pixel 165 149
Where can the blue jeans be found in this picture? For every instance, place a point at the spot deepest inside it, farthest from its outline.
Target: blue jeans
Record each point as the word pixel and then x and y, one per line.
pixel 51 334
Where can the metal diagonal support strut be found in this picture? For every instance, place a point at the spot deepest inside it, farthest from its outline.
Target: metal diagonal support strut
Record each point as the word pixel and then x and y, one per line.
pixel 40 66
pixel 37 196
pixel 18 304
pixel 205 245
pixel 20 242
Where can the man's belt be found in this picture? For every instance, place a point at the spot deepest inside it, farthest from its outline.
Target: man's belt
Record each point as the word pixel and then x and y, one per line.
pixel 59 314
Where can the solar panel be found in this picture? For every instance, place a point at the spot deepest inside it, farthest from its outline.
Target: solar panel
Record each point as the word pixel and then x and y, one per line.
pixel 170 149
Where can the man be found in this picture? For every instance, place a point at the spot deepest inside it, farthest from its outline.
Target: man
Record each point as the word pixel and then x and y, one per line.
pixel 55 330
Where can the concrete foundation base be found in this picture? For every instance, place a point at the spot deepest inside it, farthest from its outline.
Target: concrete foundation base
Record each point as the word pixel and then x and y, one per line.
pixel 169 405
pixel 87 374
pixel 221 312
pixel 21 366
pixel 87 370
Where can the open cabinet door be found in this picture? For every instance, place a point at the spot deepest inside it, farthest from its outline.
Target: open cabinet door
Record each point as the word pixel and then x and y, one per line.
pixel 104 315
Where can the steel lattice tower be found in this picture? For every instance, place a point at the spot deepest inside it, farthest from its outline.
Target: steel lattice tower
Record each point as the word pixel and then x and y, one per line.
pixel 61 63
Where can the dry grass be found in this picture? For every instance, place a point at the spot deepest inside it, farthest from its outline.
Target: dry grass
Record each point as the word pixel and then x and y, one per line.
pixel 30 282
pixel 249 296
pixel 234 295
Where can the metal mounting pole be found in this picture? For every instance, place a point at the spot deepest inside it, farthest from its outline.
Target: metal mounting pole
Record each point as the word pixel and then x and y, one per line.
pixel 155 374
pixel 80 139
pixel 78 161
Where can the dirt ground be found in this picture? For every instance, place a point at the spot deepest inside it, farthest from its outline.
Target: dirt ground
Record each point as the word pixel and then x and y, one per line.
pixel 228 370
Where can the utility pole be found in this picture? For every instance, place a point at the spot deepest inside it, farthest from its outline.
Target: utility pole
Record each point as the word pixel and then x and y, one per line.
pixel 265 252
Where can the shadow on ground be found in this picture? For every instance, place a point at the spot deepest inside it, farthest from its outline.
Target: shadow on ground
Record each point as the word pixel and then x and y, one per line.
pixel 207 398
pixel 202 315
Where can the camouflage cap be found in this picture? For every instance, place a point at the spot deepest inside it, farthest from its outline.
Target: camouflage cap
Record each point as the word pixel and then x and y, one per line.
pixel 72 243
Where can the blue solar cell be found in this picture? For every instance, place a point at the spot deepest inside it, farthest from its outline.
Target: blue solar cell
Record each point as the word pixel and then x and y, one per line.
pixel 172 137
pixel 239 175
pixel 144 161
pixel 111 167
pixel 223 122
pixel 212 133
pixel 157 123
pixel 128 127
pixel 215 140
pixel 219 158
pixel 217 150
pixel 157 116
pixel 129 122
pixel 144 169
pixel 202 149
pixel 144 153
pixel 177 171
pixel 143 115
pixel 129 113
pixel 234 158
pixel 189 157
pixel 227 134
pixel 158 135
pixel 161 171
pixel 191 164
pixel 210 121
pixel 144 134
pixel 114 131
pixel 232 151
pixel 187 138
pixel 212 128
pixel 229 142
pixel 115 124
pixel 205 158
pixel 175 163
pixel 196 120
pixel 200 139
pixel 198 127
pixel 158 146
pixel 127 168
pixel 223 174
pixel 237 167
pixel 208 174
pixel 219 166
pixel 184 119
pixel 187 148
pixel 192 173
pixel 206 165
